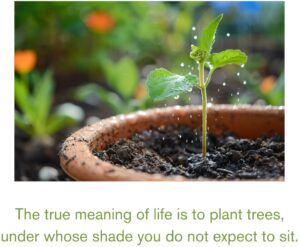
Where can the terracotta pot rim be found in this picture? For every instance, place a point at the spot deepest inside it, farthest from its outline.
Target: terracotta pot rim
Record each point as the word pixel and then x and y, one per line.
pixel 78 162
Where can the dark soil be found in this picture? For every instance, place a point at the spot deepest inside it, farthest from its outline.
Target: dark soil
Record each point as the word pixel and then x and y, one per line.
pixel 177 151
pixel 32 155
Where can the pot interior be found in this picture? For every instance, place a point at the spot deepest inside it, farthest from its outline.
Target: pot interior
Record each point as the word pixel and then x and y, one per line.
pixel 244 122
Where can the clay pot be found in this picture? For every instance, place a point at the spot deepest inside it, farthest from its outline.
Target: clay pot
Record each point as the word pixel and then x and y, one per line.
pixel 78 162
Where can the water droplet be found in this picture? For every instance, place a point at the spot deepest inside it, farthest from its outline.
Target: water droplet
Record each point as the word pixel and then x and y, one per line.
pixel 195 37
pixel 224 84
pixel 244 82
pixel 176 97
pixel 237 93
pixel 182 65
pixel 190 89
pixel 228 34
pixel 238 73
pixel 194 28
pixel 243 65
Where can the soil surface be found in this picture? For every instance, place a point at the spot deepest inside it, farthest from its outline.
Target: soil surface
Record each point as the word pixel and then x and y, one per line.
pixel 177 151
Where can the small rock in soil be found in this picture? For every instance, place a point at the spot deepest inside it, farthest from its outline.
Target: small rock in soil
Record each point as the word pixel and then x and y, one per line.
pixel 176 150
pixel 48 173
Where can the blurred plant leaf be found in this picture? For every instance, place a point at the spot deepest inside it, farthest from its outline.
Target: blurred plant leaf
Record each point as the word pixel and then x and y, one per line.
pixel 23 100
pixel 123 76
pixel 83 93
pixel 58 122
pixel 22 123
pixel 162 84
pixel 276 96
pixel 42 96
pixel 34 106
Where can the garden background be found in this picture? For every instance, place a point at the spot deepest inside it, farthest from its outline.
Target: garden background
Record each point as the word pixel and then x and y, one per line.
pixel 79 62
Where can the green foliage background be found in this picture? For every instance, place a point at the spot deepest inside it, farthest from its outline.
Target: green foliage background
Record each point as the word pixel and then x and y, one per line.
pixel 156 34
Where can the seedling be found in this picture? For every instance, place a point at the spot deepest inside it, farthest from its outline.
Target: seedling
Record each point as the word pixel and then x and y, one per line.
pixel 163 84
pixel 33 101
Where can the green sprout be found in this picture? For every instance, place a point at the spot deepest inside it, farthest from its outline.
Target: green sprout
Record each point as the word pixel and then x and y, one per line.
pixel 162 84
pixel 34 114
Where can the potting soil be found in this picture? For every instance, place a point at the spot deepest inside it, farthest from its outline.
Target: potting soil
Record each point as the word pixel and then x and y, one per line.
pixel 176 150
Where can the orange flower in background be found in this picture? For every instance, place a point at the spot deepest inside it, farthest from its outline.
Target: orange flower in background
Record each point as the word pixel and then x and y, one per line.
pixel 99 21
pixel 140 92
pixel 25 61
pixel 267 84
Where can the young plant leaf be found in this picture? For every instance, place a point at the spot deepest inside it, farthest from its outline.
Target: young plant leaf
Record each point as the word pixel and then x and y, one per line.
pixel 197 54
pixel 220 59
pixel 162 84
pixel 207 38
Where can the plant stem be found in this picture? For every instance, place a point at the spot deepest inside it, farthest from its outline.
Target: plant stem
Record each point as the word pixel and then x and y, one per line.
pixel 204 122
pixel 204 108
